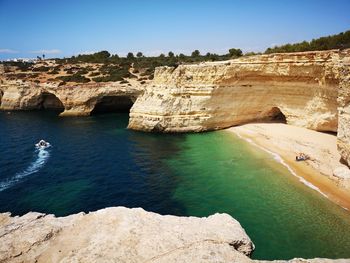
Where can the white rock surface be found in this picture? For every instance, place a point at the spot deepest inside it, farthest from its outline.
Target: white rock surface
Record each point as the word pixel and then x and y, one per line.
pixel 120 234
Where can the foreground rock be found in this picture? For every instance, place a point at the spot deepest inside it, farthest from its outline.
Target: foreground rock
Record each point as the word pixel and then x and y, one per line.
pixel 119 234
pixel 122 235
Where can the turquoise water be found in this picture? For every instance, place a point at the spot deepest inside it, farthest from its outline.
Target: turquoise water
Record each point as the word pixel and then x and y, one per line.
pixel 95 162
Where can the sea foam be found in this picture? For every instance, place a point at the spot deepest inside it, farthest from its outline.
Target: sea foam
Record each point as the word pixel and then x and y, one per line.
pixel 35 166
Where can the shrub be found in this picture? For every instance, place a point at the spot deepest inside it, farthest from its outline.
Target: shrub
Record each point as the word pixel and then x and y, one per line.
pixel 235 52
pixel 340 41
pixel 41 69
pixel 94 74
pixel 74 78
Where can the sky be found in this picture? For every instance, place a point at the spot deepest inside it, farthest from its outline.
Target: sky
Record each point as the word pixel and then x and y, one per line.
pixel 63 28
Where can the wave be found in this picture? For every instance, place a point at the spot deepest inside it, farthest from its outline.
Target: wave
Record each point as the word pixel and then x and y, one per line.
pixel 35 166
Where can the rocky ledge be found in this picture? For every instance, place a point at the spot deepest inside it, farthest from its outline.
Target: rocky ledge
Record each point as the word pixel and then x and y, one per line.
pixel 120 234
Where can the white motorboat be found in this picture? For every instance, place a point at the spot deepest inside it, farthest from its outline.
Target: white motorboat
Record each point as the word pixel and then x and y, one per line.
pixel 42 144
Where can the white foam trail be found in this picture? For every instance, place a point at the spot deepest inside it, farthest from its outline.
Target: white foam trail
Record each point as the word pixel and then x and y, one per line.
pixel 34 167
pixel 279 159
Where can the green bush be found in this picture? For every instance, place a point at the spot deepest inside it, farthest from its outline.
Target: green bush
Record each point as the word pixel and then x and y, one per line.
pixel 339 41
pixel 94 74
pixel 41 69
pixel 74 78
pixel 235 52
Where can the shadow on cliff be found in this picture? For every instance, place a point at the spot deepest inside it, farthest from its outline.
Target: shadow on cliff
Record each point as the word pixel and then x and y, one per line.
pixel 49 101
pixel 112 104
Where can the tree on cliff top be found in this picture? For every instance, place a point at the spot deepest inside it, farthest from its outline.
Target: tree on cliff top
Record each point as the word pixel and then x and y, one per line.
pixel 195 53
pixel 235 52
pixel 338 41
pixel 130 55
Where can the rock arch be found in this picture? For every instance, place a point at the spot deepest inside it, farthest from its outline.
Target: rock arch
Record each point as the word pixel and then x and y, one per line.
pixel 1 95
pixel 113 103
pixel 49 101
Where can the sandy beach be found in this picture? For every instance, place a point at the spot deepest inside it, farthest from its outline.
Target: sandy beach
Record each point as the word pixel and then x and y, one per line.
pixel 287 141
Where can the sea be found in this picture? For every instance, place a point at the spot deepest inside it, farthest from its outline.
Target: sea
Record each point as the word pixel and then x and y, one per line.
pixel 96 162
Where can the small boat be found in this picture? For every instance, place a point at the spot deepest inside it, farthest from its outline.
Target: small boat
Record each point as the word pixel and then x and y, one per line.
pixel 42 144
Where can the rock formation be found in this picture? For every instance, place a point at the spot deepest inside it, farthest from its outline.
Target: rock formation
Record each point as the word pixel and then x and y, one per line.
pixel 120 234
pixel 79 100
pixel 297 88
pixel 344 107
pixel 215 95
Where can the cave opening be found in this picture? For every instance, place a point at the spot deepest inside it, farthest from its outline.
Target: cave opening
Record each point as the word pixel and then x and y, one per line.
pixel 1 94
pixel 113 104
pixel 275 115
pixel 50 102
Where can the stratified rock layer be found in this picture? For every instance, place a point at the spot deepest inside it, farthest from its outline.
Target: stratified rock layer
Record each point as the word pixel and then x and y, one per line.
pixel 122 235
pixel 306 89
pixel 344 107
pixel 300 89
pixel 79 100
pixel 215 95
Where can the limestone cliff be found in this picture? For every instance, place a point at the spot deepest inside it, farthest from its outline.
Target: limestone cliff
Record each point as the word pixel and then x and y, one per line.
pixel 78 100
pixel 298 88
pixel 214 95
pixel 344 107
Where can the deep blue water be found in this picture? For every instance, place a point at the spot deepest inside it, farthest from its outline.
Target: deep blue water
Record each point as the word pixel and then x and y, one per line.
pixel 95 162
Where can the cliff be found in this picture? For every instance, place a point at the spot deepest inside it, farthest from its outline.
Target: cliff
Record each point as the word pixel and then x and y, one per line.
pixel 300 89
pixel 216 95
pixel 306 89
pixel 78 100
pixel 344 107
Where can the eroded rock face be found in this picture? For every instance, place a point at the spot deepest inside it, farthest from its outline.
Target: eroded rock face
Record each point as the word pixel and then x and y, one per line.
pixel 215 95
pixel 344 107
pixel 120 234
pixel 74 100
pixel 298 88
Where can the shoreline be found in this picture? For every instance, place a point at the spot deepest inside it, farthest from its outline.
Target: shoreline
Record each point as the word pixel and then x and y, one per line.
pixel 284 142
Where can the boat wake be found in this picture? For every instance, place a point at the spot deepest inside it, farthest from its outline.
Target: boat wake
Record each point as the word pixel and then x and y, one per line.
pixel 35 166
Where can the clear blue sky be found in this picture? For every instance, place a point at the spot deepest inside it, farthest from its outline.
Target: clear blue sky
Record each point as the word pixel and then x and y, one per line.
pixel 68 27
